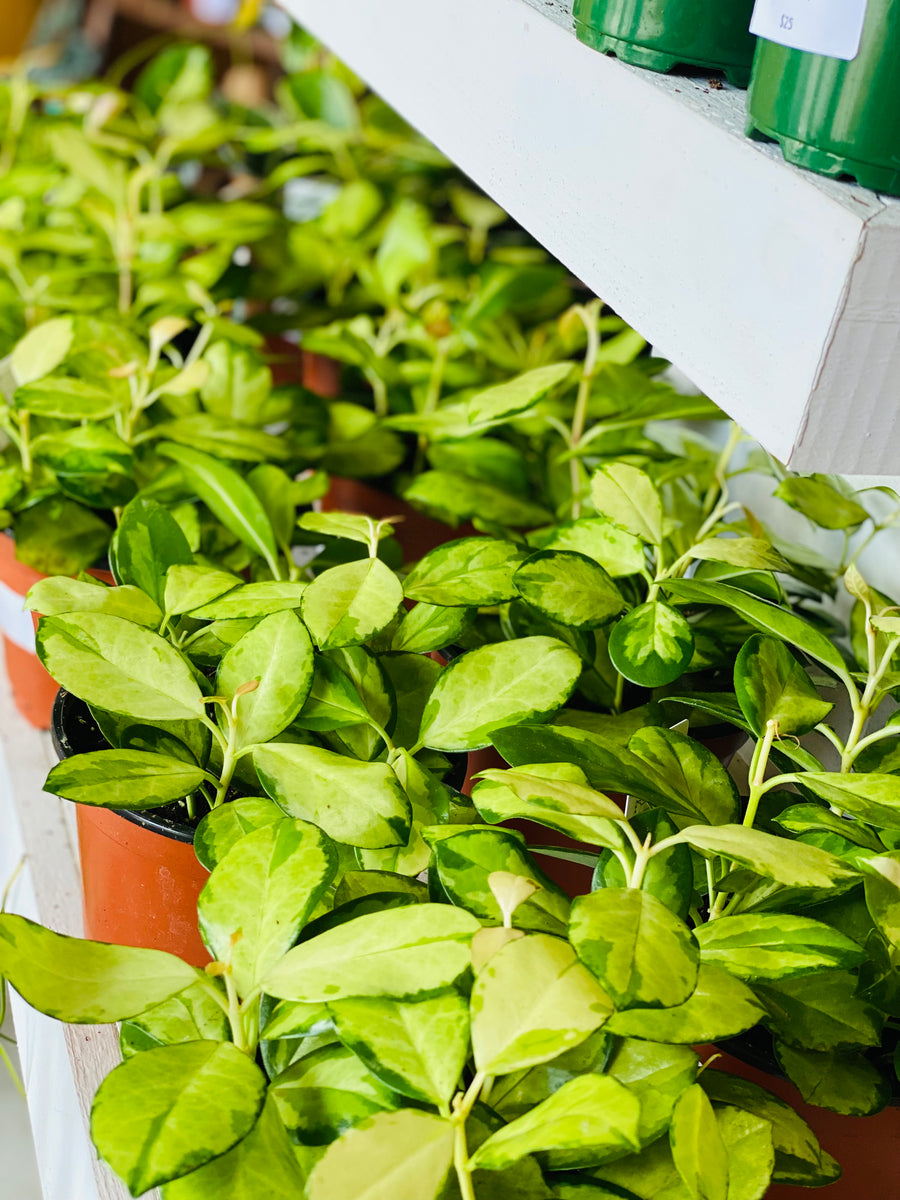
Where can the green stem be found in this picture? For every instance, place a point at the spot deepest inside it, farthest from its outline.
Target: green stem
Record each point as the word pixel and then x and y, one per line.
pixel 588 314
pixel 640 863
pixel 462 1107
pixel 758 776
pixel 25 444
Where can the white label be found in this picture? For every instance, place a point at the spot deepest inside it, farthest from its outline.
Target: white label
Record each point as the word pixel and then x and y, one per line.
pixel 830 27
pixel 15 622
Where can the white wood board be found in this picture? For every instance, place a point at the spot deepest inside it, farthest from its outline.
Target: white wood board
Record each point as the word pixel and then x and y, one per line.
pixel 62 1065
pixel 775 290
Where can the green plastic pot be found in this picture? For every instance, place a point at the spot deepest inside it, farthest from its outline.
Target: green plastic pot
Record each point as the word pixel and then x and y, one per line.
pixel 663 34
pixel 832 116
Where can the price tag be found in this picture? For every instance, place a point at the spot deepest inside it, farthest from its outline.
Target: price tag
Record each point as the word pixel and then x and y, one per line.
pixel 15 622
pixel 830 27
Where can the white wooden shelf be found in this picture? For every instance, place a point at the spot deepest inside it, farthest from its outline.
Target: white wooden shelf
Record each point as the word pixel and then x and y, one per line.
pixel 62 1065
pixel 775 290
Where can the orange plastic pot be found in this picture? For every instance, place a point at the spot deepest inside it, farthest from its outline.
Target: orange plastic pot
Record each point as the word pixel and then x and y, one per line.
pixel 289 363
pixel 16 26
pixel 868 1148
pixel 140 878
pixel 33 689
pixel 140 883
pixel 416 533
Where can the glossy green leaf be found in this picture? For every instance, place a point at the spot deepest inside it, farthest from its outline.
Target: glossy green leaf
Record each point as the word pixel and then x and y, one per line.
pixel 463 862
pixel 767 618
pixel 326 1092
pixel 308 781
pixel 569 588
pixel 58 595
pixel 223 827
pixel 642 954
pixel 498 685
pixel 42 349
pixel 262 1163
pixel 627 497
pixel 799 1158
pixel 847 1084
pixel 333 701
pixel 539 793
pixel 504 400
pixel 186 1105
pixel 472 571
pixel 57 536
pixel 190 586
pixel 119 666
pixel 652 645
pixel 453 497
pixel 720 1006
pixel 403 953
pixel 698 1150
pixel 532 1001
pixel 63 398
pixel 228 497
pixel 593 1114
pixel 824 499
pixel 395 1156
pixel 790 863
pixel 252 600
pixel 261 895
pixel 772 686
pixel 821 1012
pixel 348 604
pixel 147 542
pixel 775 946
pixel 130 779
pixel 429 627
pixel 356 527
pixel 618 552
pixel 658 1075
pixel 405 248
pixel 752 553
pixel 687 770
pixel 417 1049
pixel 194 1015
pixel 277 655
pixel 872 797
pixel 86 982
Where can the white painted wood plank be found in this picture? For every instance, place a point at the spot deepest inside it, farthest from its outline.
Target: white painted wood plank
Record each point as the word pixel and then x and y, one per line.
pixel 770 287
pixel 62 1065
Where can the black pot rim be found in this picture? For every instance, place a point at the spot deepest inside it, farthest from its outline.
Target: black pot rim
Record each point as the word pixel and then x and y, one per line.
pixel 65 709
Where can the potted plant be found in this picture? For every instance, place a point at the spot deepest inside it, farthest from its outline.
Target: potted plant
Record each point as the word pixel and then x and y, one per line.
pixel 399 1046
pixel 774 876
pixel 205 687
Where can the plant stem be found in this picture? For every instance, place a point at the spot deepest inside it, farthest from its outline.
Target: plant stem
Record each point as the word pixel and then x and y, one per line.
pixel 758 775
pixel 462 1106
pixel 588 314
pixel 640 863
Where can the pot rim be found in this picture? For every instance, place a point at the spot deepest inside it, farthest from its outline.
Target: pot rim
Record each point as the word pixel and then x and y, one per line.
pixel 149 819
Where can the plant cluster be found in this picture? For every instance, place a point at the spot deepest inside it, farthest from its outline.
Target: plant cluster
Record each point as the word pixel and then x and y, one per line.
pixel 400 1003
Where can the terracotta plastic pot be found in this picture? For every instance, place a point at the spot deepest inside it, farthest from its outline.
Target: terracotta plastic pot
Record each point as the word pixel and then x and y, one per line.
pixel 16 26
pixel 868 1148
pixel 416 533
pixel 33 689
pixel 291 364
pixel 140 877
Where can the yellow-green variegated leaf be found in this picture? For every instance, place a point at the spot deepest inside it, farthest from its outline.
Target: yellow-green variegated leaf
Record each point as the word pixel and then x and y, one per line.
pixel 532 1001
pixel 652 645
pixel 394 1156
pixel 641 953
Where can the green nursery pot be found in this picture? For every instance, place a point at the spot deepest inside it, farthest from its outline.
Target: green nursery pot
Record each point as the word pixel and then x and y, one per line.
pixel 663 34
pixel 833 116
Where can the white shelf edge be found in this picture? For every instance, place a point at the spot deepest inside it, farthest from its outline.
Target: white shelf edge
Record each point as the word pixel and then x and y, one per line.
pixel 772 288
pixel 62 1065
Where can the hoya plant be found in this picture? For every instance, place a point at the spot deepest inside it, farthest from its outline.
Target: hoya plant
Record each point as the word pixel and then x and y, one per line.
pixel 206 687
pixel 373 1041
pixel 790 885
